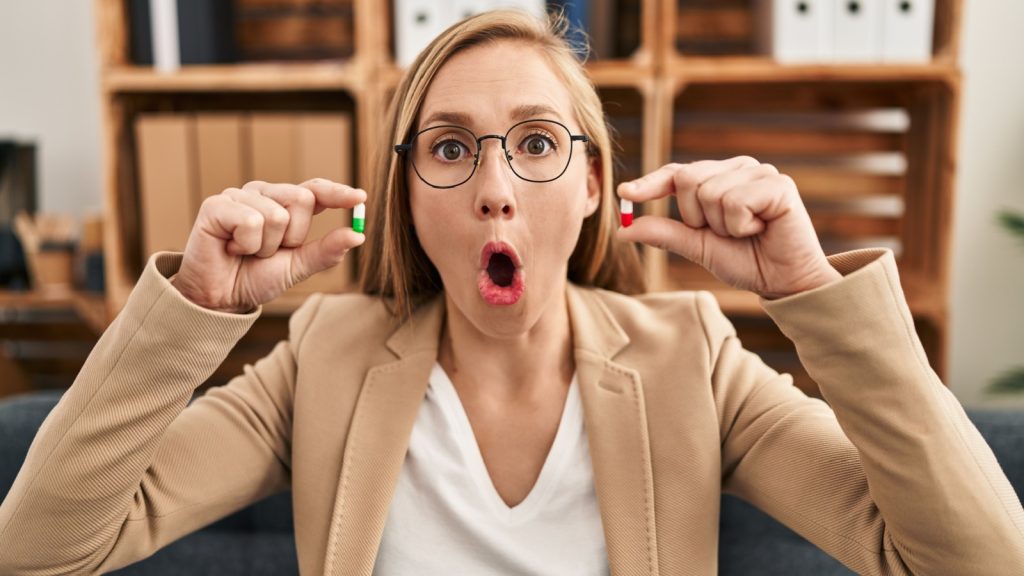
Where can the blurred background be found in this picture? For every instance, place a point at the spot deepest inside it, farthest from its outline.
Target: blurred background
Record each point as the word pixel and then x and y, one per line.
pixel 901 122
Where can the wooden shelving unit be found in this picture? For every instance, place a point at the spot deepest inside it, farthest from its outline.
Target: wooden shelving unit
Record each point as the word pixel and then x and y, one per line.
pixel 668 102
pixel 872 148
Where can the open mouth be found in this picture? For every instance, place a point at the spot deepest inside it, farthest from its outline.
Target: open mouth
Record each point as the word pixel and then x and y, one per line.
pixel 501 269
pixel 501 276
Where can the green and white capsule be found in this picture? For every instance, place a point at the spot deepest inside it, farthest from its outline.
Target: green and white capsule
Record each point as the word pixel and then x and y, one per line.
pixel 359 218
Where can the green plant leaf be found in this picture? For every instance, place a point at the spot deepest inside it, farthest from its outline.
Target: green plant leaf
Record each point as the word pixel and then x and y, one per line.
pixel 1013 222
pixel 1009 382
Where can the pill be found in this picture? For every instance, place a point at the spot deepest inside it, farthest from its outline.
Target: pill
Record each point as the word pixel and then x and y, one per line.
pixel 359 218
pixel 626 212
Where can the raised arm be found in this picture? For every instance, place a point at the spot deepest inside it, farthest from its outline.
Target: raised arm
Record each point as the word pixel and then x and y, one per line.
pixel 889 477
pixel 895 480
pixel 121 467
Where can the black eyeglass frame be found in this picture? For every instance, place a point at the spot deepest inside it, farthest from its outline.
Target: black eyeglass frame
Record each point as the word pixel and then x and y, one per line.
pixel 403 148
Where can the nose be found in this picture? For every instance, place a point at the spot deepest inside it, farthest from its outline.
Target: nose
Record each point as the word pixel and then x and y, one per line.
pixel 494 182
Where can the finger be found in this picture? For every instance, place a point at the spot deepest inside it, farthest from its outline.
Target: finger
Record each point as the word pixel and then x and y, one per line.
pixel 709 194
pixel 275 217
pixel 673 235
pixel 741 206
pixel 321 254
pixel 750 207
pixel 300 203
pixel 239 224
pixel 333 195
pixel 665 180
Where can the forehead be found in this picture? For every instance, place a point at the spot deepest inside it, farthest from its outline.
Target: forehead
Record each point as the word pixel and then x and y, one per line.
pixel 492 85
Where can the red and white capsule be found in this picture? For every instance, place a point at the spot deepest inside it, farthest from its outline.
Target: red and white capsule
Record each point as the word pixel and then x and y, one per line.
pixel 626 212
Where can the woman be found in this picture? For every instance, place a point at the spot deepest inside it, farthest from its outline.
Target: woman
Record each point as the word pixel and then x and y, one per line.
pixel 496 402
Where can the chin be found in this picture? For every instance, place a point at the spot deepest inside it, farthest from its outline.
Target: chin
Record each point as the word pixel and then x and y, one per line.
pixel 499 322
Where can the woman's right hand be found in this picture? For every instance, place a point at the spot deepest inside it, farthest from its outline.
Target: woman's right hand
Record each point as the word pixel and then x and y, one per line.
pixel 249 244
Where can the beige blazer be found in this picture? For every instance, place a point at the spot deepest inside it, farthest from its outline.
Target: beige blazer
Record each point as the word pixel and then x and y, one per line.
pixel 895 481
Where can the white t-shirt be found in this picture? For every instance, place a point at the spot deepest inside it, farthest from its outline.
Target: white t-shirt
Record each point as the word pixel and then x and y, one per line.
pixel 447 518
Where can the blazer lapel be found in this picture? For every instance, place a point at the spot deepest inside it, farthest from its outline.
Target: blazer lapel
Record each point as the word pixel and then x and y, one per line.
pixel 378 439
pixel 616 428
pixel 614 416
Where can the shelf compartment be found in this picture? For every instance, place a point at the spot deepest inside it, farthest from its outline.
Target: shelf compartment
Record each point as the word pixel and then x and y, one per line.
pixel 126 232
pixel 861 153
pixel 873 161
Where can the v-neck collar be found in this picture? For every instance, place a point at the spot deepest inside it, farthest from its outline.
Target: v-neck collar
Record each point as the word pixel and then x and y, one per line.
pixel 566 439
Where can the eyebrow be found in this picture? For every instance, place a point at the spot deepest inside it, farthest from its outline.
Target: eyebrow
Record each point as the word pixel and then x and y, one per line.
pixel 521 112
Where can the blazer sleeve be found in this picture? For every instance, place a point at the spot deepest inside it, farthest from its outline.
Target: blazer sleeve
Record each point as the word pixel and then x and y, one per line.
pixel 124 464
pixel 888 477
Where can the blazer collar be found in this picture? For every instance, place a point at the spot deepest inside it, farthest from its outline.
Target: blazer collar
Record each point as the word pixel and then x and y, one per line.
pixel 389 402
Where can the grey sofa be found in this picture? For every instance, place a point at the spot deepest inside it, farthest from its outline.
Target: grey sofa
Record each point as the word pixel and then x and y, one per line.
pixel 258 540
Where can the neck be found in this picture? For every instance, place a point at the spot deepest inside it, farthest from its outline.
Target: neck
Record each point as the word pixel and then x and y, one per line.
pixel 520 367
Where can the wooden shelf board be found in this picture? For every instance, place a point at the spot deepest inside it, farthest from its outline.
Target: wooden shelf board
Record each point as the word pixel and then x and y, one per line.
pixel 735 69
pixel 272 77
pixel 608 73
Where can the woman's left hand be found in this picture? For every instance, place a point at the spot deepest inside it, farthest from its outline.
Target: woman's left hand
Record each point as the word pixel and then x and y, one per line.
pixel 741 220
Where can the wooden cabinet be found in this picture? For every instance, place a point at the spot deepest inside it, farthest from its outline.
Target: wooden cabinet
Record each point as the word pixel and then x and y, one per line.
pixel 872 147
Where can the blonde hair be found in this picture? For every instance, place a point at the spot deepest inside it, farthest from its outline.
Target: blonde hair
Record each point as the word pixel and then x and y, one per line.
pixel 393 263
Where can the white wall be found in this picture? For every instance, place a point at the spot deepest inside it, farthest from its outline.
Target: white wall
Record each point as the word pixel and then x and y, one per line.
pixel 49 93
pixel 988 264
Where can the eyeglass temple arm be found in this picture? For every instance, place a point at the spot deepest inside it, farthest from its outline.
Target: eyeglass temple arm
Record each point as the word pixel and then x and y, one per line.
pixel 400 148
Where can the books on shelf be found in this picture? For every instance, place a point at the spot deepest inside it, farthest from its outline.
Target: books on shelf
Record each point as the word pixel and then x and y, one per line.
pixel 184 158
pixel 294 29
pixel 170 33
pixel 166 173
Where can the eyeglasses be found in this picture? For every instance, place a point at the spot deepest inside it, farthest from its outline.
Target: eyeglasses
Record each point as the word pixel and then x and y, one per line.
pixel 447 156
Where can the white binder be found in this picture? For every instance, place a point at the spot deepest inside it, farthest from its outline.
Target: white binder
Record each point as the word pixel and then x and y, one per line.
pixel 417 22
pixel 534 7
pixel 794 31
pixel 163 22
pixel 462 9
pixel 907 30
pixel 858 30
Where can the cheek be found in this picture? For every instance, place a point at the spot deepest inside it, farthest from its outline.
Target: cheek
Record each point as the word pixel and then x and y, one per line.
pixel 434 226
pixel 558 218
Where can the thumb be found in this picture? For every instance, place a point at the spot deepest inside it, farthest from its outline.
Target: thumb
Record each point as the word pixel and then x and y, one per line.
pixel 319 255
pixel 670 234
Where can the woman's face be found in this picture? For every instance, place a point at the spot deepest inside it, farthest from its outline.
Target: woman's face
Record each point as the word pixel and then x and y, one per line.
pixel 501 243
